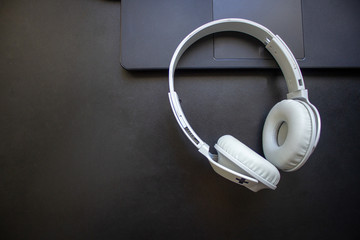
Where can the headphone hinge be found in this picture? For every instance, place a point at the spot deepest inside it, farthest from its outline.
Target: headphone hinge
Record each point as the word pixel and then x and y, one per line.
pixel 299 94
pixel 204 149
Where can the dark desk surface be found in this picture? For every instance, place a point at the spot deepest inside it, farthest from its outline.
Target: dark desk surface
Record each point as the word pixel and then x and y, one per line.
pixel 89 150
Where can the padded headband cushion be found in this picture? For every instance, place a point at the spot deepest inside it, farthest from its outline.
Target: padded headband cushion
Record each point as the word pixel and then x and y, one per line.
pixel 287 151
pixel 247 159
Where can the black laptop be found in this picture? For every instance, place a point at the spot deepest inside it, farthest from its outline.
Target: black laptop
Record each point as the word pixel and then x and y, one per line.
pixel 321 33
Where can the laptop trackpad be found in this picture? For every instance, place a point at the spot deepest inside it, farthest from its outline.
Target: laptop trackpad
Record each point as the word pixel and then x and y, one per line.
pixel 282 17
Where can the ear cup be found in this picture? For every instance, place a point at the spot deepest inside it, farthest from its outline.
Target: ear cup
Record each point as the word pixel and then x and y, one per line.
pixel 287 134
pixel 240 158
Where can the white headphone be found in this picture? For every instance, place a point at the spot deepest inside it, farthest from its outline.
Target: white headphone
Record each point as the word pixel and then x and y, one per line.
pixel 292 128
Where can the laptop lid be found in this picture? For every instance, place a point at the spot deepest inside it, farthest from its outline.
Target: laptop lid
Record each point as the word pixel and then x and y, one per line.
pixel 321 34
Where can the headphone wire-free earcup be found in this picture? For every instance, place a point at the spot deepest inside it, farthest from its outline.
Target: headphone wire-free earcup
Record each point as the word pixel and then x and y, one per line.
pixel 236 156
pixel 287 135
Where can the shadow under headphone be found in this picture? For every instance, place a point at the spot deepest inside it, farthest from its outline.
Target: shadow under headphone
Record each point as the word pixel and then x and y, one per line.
pixel 292 128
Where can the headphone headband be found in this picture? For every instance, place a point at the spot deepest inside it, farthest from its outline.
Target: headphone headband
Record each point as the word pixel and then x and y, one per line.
pixel 273 43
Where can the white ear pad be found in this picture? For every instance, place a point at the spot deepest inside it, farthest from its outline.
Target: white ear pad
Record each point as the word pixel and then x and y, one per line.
pixel 287 134
pixel 238 157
